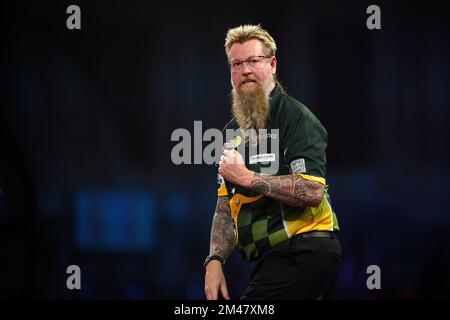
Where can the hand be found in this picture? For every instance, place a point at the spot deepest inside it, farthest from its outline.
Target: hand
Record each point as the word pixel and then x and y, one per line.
pixel 232 168
pixel 215 281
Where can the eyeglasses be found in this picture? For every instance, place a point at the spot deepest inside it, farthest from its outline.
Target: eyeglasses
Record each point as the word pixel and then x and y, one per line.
pixel 255 62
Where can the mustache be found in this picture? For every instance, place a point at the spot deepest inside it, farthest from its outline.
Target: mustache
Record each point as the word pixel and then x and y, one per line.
pixel 247 80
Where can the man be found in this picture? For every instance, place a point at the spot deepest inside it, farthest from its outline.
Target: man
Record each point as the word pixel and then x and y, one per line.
pixel 283 220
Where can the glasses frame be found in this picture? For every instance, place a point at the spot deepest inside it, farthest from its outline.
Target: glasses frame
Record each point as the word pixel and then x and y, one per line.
pixel 261 58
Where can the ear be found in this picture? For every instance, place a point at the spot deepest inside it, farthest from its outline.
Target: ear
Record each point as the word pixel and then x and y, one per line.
pixel 273 64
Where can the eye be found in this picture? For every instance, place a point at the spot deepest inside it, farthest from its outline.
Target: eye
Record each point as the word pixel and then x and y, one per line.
pixel 236 64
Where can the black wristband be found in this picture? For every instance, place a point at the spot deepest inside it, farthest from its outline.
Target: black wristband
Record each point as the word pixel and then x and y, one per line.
pixel 213 257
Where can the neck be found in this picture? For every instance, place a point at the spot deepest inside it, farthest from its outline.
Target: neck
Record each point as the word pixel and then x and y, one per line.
pixel 272 86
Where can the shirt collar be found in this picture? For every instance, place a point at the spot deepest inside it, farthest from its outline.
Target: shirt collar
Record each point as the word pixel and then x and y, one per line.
pixel 274 95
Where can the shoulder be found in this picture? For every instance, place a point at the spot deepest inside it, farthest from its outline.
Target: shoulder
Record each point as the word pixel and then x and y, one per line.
pixel 290 111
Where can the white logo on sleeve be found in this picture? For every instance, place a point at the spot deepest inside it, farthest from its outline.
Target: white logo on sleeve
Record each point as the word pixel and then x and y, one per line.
pixel 298 166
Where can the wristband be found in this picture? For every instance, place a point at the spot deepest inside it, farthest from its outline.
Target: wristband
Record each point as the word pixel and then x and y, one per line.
pixel 213 257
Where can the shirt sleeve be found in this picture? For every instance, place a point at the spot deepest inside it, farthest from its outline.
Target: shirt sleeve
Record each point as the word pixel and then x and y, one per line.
pixel 222 189
pixel 304 148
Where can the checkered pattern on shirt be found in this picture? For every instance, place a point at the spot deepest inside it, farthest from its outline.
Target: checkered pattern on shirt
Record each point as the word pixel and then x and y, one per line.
pixel 260 227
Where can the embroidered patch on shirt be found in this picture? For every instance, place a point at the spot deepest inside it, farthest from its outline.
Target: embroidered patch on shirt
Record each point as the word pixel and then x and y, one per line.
pixel 298 166
pixel 264 157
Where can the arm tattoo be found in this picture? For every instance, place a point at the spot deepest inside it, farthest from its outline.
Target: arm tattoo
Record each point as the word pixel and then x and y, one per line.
pixel 223 240
pixel 292 190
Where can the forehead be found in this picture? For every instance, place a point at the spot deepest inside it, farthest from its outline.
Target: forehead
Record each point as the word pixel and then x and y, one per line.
pixel 242 51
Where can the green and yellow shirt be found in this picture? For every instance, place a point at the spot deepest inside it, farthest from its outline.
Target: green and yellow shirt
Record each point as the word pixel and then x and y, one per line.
pixel 261 222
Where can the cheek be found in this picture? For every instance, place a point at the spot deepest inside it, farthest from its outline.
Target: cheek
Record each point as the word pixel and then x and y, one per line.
pixel 262 75
pixel 235 78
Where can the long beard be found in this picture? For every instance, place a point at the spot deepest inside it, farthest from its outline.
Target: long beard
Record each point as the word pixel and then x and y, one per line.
pixel 251 109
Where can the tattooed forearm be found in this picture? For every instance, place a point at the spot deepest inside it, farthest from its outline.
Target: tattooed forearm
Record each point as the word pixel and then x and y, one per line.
pixel 292 190
pixel 223 240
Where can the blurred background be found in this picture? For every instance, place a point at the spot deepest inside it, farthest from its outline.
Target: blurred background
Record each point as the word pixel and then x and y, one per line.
pixel 86 119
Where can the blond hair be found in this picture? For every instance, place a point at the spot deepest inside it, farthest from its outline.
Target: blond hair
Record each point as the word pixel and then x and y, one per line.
pixel 247 32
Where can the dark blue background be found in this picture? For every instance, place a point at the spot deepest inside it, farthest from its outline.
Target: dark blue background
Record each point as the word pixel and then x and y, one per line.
pixel 86 119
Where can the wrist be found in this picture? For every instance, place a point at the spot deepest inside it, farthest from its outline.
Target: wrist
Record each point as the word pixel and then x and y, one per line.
pixel 247 179
pixel 213 265
pixel 214 260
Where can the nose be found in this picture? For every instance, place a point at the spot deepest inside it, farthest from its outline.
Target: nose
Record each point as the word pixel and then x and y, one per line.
pixel 246 69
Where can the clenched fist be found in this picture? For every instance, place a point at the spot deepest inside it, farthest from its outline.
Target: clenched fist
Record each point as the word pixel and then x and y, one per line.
pixel 232 168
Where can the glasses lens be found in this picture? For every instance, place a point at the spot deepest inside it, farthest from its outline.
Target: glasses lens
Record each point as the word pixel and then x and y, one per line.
pixel 252 62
